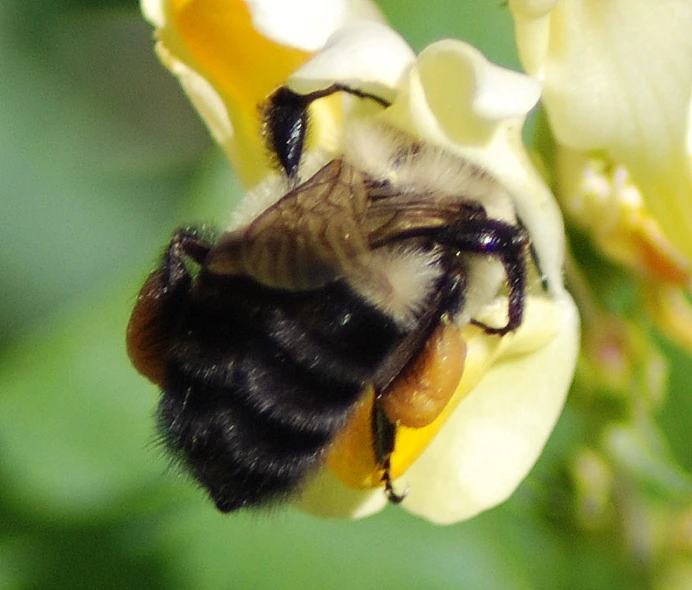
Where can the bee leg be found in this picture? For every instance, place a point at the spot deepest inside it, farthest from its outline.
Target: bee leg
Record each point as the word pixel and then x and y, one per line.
pixel 286 121
pixel 384 438
pixel 508 243
pixel 186 243
pixel 173 275
pixel 478 234
pixel 545 284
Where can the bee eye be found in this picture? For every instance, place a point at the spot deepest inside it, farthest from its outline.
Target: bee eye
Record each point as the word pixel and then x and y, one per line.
pixel 285 123
pixel 286 120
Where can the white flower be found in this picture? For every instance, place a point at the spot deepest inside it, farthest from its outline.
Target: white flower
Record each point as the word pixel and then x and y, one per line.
pixel 513 387
pixel 617 78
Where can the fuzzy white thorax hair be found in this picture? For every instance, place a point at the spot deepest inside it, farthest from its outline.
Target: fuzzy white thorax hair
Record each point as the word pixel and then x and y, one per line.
pixel 401 278
pixel 385 153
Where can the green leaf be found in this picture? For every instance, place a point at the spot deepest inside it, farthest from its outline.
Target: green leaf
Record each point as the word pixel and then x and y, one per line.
pixel 75 419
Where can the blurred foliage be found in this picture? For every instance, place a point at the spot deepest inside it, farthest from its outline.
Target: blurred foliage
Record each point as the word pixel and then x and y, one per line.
pixel 102 156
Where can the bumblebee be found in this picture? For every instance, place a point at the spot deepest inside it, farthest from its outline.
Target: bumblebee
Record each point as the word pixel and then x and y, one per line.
pixel 265 337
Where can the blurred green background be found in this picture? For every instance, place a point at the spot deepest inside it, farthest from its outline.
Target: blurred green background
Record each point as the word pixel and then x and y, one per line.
pixel 100 157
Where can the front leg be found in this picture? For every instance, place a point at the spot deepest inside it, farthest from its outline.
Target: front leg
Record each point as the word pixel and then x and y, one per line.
pixel 509 243
pixel 475 233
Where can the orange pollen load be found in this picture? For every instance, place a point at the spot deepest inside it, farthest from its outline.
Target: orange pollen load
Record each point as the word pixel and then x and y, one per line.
pixel 419 403
pixel 146 344
pixel 420 394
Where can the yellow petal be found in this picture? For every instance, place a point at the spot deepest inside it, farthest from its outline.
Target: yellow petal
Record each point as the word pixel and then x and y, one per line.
pixel 231 54
pixel 228 68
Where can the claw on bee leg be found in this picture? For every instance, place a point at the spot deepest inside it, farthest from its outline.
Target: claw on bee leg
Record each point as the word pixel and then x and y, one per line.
pixel 392 495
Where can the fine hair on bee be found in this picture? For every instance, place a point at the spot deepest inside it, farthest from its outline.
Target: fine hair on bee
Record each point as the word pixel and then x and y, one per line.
pixel 264 339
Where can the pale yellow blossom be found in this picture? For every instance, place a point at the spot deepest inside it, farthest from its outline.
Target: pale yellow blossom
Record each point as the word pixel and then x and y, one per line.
pixel 230 55
pixel 617 77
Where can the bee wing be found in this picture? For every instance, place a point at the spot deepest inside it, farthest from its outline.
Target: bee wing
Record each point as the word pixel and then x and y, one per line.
pixel 311 236
pixel 395 215
pixel 326 229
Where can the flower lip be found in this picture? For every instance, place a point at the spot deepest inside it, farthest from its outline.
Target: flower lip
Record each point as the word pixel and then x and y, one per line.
pixel 368 56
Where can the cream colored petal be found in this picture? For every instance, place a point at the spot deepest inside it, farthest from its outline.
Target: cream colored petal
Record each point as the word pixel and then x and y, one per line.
pixel 203 96
pixel 307 24
pixel 533 8
pixel 327 497
pixel 497 433
pixel 454 97
pixel 154 12
pixel 618 77
pixel 365 55
pixel 173 53
pixel 532 30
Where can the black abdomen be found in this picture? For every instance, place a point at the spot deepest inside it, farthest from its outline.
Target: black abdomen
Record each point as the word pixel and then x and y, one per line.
pixel 259 381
